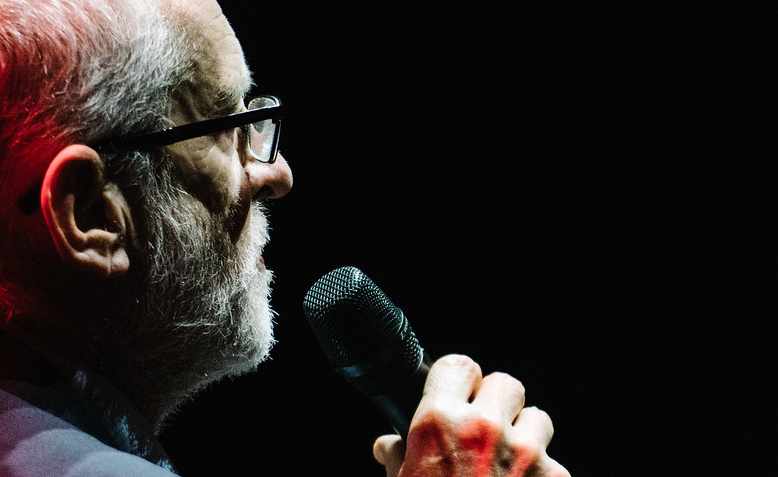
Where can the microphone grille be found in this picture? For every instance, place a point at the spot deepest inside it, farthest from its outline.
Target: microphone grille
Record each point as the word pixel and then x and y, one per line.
pixel 357 325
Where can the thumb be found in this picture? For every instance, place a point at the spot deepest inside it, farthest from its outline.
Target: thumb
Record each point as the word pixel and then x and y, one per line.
pixel 389 450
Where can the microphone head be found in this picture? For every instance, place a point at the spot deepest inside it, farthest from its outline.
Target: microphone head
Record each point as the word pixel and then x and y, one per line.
pixel 358 326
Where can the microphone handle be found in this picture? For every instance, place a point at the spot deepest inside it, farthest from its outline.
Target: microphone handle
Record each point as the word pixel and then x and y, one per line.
pixel 395 396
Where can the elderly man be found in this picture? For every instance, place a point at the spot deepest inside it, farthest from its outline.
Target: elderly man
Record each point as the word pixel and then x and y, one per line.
pixel 133 169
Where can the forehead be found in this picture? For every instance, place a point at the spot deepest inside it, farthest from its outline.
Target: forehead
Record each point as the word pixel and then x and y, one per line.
pixel 220 63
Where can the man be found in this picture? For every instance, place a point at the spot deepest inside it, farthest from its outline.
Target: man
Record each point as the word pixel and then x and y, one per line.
pixel 133 170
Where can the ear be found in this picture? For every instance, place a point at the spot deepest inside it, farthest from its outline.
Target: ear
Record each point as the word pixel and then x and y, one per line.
pixel 88 219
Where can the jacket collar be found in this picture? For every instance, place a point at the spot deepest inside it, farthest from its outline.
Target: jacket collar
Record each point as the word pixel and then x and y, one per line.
pixel 79 396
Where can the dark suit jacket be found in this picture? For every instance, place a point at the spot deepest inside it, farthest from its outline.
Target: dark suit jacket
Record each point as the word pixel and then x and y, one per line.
pixel 57 420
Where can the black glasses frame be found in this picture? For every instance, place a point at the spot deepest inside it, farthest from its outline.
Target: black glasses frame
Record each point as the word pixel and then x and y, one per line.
pixel 176 134
pixel 28 202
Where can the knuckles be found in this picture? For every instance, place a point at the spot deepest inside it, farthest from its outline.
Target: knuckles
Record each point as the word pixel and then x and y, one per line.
pixel 478 419
pixel 542 417
pixel 438 414
pixel 453 415
pixel 452 430
pixel 457 433
pixel 463 424
pixel 460 361
pixel 507 381
pixel 546 419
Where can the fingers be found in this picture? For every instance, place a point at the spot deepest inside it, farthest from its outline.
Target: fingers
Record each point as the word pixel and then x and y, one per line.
pixel 385 447
pixel 500 396
pixel 534 428
pixel 388 450
pixel 528 439
pixel 452 377
pixel 467 424
pixel 551 468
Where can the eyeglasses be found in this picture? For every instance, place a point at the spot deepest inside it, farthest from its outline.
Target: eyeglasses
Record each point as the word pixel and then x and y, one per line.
pixel 260 125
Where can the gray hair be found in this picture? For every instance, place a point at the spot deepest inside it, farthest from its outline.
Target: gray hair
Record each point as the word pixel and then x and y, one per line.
pixel 78 71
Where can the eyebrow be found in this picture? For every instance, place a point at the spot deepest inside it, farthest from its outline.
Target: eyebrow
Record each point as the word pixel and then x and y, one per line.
pixel 227 100
pixel 230 97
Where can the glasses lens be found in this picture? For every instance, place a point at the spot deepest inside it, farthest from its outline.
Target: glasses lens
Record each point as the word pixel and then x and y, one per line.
pixel 262 133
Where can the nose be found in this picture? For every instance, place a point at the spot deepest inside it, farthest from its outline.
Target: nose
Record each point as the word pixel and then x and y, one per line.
pixel 270 180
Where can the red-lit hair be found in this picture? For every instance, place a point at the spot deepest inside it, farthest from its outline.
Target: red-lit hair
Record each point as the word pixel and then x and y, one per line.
pixel 74 71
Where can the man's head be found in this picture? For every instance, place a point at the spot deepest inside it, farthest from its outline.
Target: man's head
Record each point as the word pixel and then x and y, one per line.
pixel 146 265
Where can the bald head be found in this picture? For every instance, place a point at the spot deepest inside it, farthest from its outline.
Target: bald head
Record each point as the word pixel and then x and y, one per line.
pixel 222 58
pixel 222 77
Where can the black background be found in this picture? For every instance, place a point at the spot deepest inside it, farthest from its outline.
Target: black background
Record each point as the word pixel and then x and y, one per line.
pixel 511 179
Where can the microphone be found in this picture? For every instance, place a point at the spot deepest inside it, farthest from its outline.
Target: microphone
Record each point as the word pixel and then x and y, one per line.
pixel 369 342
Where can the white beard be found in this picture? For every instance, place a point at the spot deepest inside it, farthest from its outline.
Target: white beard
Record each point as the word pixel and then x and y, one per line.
pixel 213 295
pixel 255 318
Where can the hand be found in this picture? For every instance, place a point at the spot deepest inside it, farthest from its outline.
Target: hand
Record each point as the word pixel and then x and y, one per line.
pixel 470 426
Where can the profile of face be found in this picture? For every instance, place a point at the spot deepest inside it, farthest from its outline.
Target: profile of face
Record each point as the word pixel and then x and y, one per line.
pixel 199 288
pixel 203 289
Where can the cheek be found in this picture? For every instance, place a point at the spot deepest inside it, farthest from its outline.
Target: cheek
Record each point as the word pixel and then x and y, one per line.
pixel 226 142
pixel 211 175
pixel 239 210
pixel 222 164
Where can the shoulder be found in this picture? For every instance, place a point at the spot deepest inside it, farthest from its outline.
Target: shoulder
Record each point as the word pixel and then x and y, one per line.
pixel 35 443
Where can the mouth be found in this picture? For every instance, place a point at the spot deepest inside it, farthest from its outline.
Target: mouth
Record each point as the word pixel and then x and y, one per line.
pixel 261 263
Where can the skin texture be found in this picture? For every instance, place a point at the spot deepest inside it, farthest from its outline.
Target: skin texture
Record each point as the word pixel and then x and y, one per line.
pixel 214 169
pixel 474 426
pixel 465 425
pixel 98 250
pixel 95 233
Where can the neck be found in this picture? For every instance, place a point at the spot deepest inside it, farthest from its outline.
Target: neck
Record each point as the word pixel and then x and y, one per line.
pixel 143 348
pixel 151 373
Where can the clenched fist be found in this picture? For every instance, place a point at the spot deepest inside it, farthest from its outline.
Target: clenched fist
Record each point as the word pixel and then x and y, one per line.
pixel 468 425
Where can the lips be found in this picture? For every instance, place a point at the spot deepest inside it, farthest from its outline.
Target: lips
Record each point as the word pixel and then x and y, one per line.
pixel 261 263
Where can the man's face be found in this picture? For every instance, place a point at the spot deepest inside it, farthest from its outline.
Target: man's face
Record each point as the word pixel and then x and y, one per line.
pixel 202 236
